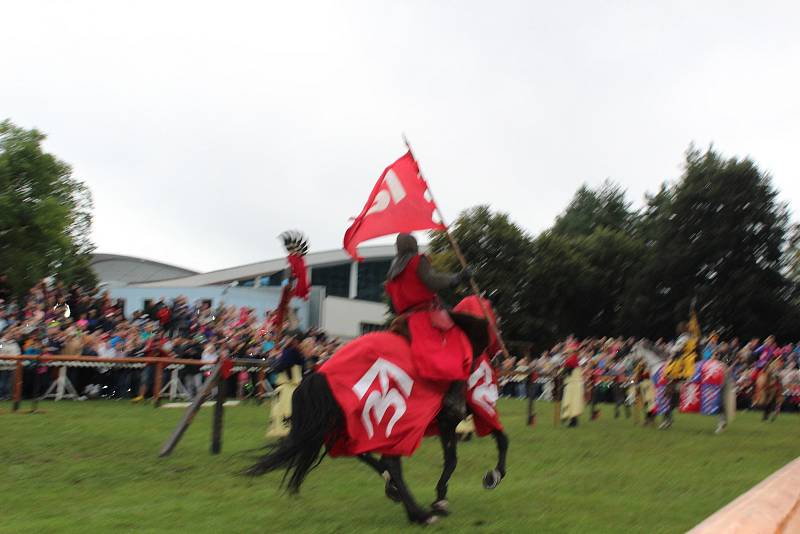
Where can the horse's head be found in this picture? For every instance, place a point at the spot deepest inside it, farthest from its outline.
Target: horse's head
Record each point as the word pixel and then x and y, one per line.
pixel 481 334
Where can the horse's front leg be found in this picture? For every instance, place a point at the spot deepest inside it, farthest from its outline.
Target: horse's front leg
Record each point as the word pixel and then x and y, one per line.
pixel 447 435
pixel 416 514
pixel 378 465
pixel 492 478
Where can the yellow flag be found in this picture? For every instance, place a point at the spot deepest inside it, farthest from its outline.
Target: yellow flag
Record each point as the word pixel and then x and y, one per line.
pixel 682 367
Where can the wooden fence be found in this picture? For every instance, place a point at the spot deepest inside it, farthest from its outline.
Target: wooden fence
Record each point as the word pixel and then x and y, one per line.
pixel 92 361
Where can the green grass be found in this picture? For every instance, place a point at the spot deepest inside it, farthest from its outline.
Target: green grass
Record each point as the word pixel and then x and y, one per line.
pixel 93 467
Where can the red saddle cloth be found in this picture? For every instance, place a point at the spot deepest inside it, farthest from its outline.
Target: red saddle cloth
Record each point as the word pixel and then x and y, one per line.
pixel 387 404
pixel 441 350
pixel 439 354
pixel 482 390
pixel 482 394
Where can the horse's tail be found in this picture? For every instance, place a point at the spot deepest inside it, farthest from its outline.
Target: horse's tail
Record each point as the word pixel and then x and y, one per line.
pixel 315 418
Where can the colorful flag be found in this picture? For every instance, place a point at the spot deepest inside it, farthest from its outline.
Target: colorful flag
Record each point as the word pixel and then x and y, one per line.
pixel 399 202
pixel 300 273
pixel 690 397
pixel 711 383
pixel 710 398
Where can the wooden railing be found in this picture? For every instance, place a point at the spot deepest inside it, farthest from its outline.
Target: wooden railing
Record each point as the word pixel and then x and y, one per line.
pixel 159 363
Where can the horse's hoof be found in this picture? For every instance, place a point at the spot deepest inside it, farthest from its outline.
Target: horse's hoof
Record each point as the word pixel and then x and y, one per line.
pixel 441 507
pixel 392 492
pixel 492 479
pixel 423 518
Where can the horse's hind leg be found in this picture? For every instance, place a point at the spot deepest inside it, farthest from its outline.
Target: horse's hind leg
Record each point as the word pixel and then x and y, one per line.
pixel 447 435
pixel 416 514
pixel 379 466
pixel 492 478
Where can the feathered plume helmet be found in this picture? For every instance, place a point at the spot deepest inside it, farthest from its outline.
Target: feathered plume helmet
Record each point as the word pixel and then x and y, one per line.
pixel 295 242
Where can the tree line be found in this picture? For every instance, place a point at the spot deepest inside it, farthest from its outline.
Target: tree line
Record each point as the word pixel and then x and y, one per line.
pixel 45 216
pixel 718 236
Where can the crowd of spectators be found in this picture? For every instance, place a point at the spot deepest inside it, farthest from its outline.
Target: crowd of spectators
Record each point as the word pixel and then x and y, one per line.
pixel 53 319
pixel 609 360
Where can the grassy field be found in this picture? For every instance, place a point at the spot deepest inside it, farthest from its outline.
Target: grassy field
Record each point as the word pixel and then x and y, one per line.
pixel 93 467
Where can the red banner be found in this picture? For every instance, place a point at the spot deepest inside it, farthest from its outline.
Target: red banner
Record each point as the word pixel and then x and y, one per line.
pixel 690 397
pixel 298 265
pixel 397 204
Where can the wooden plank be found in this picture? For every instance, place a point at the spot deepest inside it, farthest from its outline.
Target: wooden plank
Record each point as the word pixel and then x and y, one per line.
pixel 188 416
pixel 770 507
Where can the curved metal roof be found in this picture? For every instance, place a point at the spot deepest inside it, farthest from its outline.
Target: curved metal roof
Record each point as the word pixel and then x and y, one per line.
pixel 252 270
pixel 120 269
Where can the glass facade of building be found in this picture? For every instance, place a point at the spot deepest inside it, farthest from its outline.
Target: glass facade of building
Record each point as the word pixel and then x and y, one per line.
pixel 371 276
pixel 335 278
pixel 271 280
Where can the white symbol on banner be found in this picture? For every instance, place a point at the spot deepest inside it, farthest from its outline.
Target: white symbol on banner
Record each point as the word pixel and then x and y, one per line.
pixel 691 396
pixel 380 401
pixel 712 371
pixel 485 394
pixel 394 192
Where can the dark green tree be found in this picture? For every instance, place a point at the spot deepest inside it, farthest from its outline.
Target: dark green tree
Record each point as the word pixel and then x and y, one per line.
pixel 500 253
pixel 793 255
pixel 559 284
pixel 590 209
pixel 45 214
pixel 718 235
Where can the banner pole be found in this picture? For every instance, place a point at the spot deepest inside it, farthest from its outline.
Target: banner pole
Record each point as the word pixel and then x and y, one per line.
pixel 460 255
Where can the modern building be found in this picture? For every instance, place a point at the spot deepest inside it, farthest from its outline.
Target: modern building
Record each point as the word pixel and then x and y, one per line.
pixel 346 297
pixel 114 269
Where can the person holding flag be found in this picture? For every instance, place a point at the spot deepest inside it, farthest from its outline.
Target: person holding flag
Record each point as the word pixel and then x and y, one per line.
pixel 400 203
pixel 681 365
pixel 289 367
pixel 442 350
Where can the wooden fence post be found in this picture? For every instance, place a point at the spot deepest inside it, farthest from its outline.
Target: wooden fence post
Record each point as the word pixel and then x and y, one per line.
pixel 261 391
pixel 219 411
pixel 188 416
pixel 157 384
pixel 17 385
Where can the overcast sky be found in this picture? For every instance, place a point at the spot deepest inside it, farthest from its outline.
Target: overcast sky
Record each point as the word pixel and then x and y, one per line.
pixel 206 129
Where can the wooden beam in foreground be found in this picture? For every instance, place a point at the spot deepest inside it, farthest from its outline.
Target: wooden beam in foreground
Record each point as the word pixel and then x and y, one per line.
pixel 771 507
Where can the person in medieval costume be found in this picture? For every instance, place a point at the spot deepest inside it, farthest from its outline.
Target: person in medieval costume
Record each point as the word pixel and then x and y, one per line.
pixel 290 365
pixel 681 365
pixel 572 401
pixel 441 349
pixel 621 381
pixel 594 380
pixel 288 369
pixel 645 392
pixel 727 400
pixel 769 389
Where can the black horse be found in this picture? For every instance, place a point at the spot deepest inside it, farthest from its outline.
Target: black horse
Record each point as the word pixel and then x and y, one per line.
pixel 316 418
